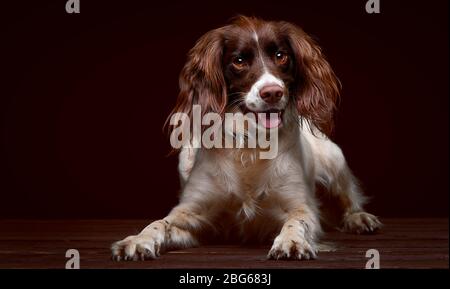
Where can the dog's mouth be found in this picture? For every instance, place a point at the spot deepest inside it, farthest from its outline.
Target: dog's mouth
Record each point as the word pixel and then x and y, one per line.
pixel 271 118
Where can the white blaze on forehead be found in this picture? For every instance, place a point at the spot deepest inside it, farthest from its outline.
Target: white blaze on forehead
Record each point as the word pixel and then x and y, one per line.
pixel 255 36
pixel 252 98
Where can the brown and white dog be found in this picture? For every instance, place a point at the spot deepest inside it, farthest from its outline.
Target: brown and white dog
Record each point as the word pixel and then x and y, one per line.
pixel 257 66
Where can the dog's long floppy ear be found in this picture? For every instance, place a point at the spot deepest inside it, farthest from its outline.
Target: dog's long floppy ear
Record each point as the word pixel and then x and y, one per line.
pixel 317 87
pixel 201 79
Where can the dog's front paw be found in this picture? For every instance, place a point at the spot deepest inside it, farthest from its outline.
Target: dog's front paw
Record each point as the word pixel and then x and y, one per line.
pixel 289 246
pixel 139 247
pixel 361 223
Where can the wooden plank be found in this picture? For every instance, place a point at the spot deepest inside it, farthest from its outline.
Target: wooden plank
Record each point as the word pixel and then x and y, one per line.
pixel 403 243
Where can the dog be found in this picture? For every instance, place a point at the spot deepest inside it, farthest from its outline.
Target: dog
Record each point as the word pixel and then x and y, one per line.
pixel 256 66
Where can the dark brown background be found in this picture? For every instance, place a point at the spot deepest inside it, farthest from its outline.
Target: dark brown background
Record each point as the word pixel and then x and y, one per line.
pixel 85 97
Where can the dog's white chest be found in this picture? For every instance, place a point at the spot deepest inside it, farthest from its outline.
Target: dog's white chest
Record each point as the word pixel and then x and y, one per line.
pixel 248 183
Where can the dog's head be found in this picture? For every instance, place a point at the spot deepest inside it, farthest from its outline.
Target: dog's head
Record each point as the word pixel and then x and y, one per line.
pixel 257 66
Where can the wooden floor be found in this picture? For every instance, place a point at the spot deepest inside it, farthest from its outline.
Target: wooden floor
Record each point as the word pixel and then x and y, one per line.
pixel 403 243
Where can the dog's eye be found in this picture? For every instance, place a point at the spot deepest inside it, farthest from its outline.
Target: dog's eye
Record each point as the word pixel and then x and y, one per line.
pixel 239 62
pixel 281 58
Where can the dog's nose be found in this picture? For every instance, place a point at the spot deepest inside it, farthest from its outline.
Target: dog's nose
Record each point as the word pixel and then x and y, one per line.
pixel 271 93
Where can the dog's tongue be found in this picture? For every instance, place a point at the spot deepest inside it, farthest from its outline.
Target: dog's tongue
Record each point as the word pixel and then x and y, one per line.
pixel 270 120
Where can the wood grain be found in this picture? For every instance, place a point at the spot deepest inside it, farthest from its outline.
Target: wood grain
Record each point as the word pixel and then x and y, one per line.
pixel 403 243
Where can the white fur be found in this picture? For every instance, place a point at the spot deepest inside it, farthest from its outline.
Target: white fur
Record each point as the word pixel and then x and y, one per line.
pixel 253 100
pixel 231 190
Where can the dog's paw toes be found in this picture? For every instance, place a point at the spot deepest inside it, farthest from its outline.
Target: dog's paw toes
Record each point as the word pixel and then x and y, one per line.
pixel 134 248
pixel 361 223
pixel 292 249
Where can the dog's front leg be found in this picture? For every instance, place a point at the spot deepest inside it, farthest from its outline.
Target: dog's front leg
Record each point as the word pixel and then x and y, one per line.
pixel 200 200
pixel 297 239
pixel 175 231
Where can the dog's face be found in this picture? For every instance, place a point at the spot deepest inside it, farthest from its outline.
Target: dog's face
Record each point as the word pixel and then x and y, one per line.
pixel 257 66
